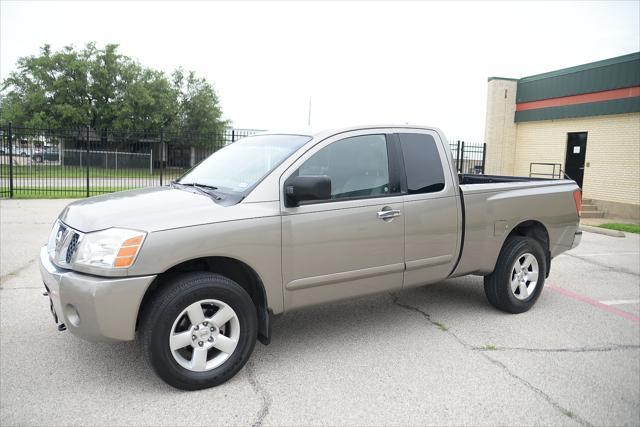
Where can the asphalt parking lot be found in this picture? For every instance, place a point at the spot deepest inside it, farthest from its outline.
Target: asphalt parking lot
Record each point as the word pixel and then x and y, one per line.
pixel 433 355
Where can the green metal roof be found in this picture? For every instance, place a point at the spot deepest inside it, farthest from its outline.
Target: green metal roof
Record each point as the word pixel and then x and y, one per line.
pixel 614 73
pixel 611 61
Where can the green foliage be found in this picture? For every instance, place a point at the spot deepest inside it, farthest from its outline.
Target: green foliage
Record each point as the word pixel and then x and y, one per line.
pixel 43 170
pixel 195 95
pixel 627 228
pixel 106 90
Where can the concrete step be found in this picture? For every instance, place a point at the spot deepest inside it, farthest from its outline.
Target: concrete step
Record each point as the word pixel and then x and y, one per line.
pixel 586 201
pixel 589 208
pixel 596 214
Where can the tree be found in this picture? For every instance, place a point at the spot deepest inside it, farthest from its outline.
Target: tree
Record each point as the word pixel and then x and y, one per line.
pixel 48 90
pixel 198 103
pixel 106 90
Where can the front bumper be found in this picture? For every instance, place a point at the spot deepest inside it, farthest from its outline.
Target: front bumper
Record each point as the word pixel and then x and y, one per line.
pixel 94 308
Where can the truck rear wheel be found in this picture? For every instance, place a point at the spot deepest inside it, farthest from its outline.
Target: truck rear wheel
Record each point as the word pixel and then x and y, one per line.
pixel 518 279
pixel 199 331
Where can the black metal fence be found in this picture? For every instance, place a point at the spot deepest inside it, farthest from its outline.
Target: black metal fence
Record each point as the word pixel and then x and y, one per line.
pixel 72 163
pixel 57 163
pixel 468 157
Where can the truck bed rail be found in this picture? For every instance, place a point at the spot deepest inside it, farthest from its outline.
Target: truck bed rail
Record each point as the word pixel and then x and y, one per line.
pixel 488 179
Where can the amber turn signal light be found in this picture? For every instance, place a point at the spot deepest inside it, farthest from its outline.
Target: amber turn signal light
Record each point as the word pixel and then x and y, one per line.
pixel 128 252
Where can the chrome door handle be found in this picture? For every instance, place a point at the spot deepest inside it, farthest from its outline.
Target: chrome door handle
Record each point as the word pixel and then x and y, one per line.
pixel 392 213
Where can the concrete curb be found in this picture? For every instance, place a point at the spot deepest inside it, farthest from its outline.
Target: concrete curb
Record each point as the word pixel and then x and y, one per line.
pixel 599 230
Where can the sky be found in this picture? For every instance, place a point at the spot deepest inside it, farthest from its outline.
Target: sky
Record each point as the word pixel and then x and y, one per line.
pixel 359 62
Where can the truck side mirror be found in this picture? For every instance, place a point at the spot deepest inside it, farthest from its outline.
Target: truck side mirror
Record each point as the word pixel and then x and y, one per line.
pixel 302 188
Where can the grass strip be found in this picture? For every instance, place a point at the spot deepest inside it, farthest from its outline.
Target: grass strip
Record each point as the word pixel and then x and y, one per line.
pixel 627 228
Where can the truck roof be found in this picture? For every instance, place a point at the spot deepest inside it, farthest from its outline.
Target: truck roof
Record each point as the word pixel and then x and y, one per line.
pixel 326 132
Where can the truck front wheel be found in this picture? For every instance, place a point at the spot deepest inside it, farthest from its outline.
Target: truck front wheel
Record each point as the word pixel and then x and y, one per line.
pixel 199 331
pixel 518 279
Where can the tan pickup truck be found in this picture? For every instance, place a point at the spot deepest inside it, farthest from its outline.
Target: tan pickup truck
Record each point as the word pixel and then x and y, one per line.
pixel 278 221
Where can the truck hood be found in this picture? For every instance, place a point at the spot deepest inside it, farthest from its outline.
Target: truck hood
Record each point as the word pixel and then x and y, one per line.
pixel 155 209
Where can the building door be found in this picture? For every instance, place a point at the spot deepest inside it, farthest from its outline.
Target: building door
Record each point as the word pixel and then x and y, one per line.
pixel 574 160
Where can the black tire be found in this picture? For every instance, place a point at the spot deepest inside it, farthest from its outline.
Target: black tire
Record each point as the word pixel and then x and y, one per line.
pixel 497 285
pixel 165 307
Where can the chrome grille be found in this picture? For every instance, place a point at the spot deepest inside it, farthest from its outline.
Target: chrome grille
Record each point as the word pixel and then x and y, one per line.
pixel 63 243
pixel 71 249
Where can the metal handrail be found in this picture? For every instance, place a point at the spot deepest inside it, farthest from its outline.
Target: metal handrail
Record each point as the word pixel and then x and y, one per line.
pixel 553 174
pixel 565 175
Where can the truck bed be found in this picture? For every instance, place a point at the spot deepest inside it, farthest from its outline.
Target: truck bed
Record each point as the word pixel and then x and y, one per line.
pixel 493 204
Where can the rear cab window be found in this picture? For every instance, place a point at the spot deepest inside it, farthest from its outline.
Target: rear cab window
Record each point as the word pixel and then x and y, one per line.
pixel 422 163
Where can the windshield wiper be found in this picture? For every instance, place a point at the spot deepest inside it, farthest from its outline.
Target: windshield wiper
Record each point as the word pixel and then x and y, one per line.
pixel 200 188
pixel 197 185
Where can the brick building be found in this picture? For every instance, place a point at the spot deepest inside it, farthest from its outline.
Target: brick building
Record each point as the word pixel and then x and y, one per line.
pixel 581 121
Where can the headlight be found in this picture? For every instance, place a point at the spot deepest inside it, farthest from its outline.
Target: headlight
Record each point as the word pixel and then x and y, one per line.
pixel 112 248
pixel 55 237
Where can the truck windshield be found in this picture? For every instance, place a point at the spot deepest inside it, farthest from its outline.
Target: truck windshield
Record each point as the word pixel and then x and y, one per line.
pixel 239 166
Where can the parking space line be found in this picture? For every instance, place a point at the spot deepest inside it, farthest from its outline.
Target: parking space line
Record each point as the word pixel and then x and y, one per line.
pixel 621 301
pixel 597 304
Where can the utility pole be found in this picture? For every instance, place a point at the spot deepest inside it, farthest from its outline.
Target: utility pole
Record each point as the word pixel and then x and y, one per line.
pixel 309 119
